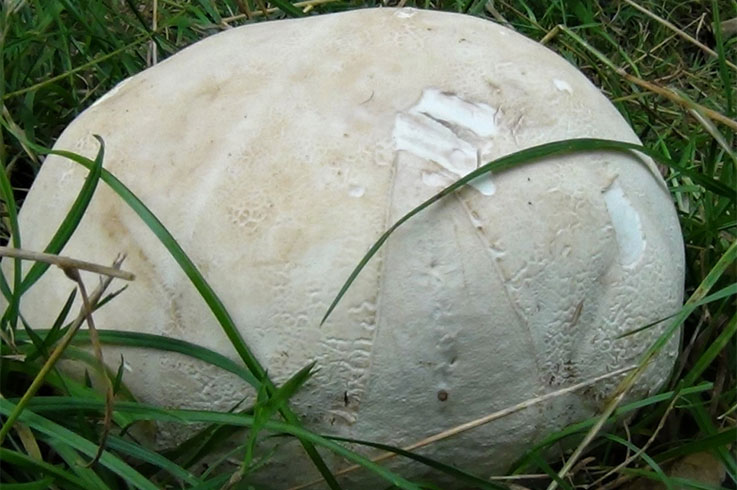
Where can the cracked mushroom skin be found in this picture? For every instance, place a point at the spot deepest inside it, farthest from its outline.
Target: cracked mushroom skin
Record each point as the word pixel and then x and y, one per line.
pixel 276 178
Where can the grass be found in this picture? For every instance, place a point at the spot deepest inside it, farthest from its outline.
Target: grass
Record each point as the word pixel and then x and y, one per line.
pixel 665 65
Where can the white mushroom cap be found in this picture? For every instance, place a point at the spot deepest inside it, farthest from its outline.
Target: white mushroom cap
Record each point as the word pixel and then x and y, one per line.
pixel 277 153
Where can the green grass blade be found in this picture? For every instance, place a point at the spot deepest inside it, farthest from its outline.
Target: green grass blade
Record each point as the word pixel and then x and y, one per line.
pixel 288 8
pixel 198 281
pixel 706 426
pixel 458 473
pixel 73 217
pixel 267 406
pixel 140 411
pixel 142 454
pixel 56 331
pixel 9 456
pixel 162 343
pixel 6 190
pixel 59 433
pixel 662 477
pixel 712 352
pixel 724 262
pixel 33 485
pixel 519 158
pixel 724 74
pixel 683 483
pixel 204 442
pixel 287 390
pixel 577 429
pixel 92 479
pixel 215 483
pixel 543 465
pixel 707 443
pixel 721 294
pixel 705 286
pixel 208 295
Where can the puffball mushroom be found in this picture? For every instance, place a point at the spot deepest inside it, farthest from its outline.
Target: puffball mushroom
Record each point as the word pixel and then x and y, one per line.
pixel 277 153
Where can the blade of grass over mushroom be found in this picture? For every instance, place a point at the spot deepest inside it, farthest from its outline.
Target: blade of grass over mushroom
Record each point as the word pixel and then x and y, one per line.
pixel 74 216
pixel 266 408
pixel 522 157
pixel 140 411
pixel 204 442
pixel 458 473
pixel 201 285
pixel 55 332
pixel 576 429
pixel 49 364
pixel 162 343
pixel 726 261
pixel 88 448
pixel 214 303
pixel 721 294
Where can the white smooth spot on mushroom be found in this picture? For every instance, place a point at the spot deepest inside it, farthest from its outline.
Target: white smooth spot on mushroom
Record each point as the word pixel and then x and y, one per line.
pixel 356 191
pixel 428 139
pixel 484 185
pixel 450 108
pixel 626 223
pixel 405 13
pixel 433 129
pixel 562 85
pixel 112 92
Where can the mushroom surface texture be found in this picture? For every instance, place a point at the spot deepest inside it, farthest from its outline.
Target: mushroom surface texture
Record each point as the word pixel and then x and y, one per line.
pixel 277 153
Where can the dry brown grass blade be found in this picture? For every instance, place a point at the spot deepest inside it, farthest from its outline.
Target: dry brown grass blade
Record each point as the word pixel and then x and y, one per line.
pixel 73 274
pixel 66 262
pixel 25 434
pixel 153 50
pixel 479 422
pixel 244 8
pixel 672 96
pixel 678 31
pixel 649 86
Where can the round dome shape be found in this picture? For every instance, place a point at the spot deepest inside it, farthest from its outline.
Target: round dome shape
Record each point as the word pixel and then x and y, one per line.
pixel 277 153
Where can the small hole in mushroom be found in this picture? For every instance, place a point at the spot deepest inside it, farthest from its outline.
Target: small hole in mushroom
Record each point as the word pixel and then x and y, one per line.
pixel 442 395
